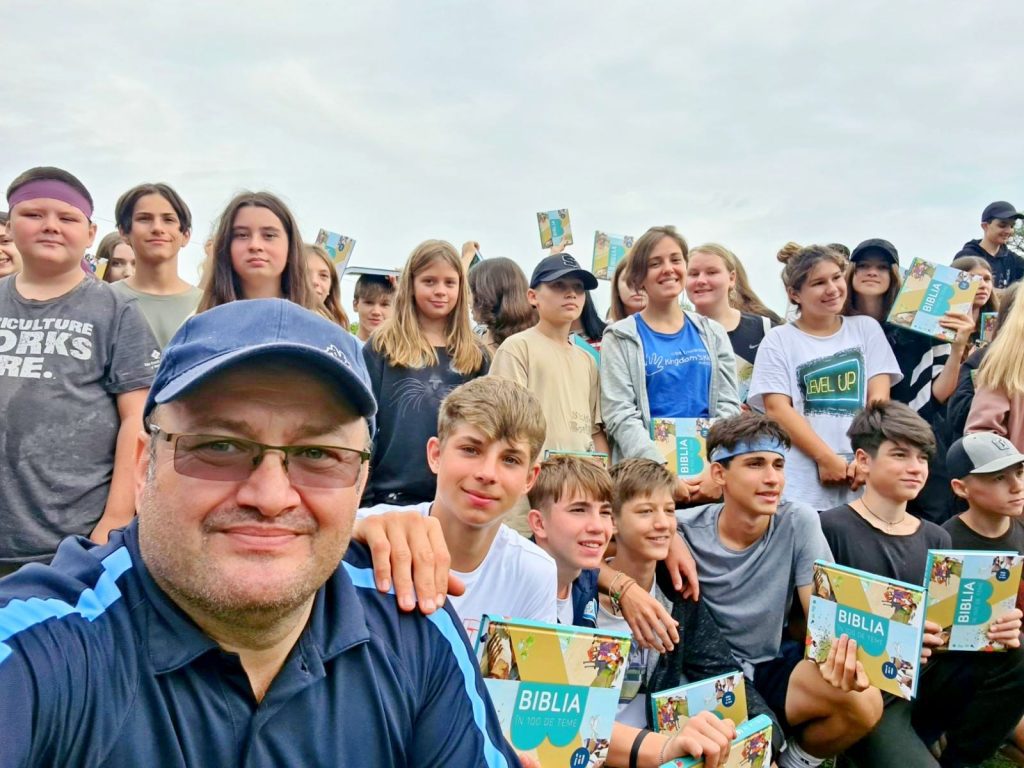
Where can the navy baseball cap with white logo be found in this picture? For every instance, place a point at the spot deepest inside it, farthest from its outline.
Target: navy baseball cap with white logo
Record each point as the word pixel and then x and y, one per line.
pixel 561 265
pixel 215 340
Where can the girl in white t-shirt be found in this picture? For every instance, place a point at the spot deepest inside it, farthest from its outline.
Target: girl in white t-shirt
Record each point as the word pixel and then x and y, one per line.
pixel 814 374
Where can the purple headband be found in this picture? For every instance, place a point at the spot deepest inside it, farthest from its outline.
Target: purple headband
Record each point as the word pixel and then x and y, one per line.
pixel 51 189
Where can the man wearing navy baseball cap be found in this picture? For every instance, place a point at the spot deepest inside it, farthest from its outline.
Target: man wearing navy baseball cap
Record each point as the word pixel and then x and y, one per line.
pixel 997 223
pixel 222 626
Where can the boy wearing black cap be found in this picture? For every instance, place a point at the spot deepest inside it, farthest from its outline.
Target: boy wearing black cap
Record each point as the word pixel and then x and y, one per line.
pixel 997 223
pixel 561 375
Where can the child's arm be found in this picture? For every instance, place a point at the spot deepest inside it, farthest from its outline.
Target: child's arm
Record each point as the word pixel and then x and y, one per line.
pixel 652 626
pixel 601 443
pixel 879 386
pixel 832 468
pixel 989 412
pixel 120 506
pixel 945 383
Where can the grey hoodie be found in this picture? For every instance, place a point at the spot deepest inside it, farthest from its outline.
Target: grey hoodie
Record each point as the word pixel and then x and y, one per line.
pixel 624 405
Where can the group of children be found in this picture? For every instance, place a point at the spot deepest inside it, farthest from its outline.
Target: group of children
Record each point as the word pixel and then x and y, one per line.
pixel 825 433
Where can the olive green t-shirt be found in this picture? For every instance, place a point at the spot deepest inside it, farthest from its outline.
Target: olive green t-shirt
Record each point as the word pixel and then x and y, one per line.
pixel 165 314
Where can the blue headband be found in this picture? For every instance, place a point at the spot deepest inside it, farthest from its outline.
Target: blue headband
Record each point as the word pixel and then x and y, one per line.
pixel 770 444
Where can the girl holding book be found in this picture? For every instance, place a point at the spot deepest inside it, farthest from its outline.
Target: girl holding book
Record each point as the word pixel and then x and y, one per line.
pixel 326 285
pixel 985 300
pixel 663 362
pixel 415 359
pixel 998 404
pixel 257 254
pixel 717 285
pixel 814 374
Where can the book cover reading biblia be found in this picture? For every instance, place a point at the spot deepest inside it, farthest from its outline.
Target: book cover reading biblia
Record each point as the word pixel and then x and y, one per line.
pixel 929 291
pixel 752 748
pixel 725 695
pixel 554 228
pixel 884 616
pixel 609 250
pixel 683 443
pixel 967 591
pixel 555 687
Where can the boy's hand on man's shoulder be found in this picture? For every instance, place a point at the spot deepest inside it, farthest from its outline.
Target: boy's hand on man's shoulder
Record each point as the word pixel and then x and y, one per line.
pixel 409 551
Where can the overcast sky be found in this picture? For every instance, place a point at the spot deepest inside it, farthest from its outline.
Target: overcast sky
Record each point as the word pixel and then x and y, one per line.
pixel 750 124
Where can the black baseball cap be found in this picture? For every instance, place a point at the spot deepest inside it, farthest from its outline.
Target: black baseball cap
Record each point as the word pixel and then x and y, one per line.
pixel 981 453
pixel 561 265
pixel 1000 210
pixel 876 246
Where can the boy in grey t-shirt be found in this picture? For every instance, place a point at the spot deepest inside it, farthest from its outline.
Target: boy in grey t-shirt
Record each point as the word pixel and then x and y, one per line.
pixel 752 553
pixel 76 362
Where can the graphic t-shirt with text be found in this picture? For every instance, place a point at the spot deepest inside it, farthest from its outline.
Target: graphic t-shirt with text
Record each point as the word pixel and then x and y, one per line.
pixel 677 371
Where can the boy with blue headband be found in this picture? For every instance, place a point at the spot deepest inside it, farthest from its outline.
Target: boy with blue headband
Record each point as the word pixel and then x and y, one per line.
pixel 753 552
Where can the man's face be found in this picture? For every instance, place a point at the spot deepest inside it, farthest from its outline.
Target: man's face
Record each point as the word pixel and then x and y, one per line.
pixel 897 472
pixel 479 479
pixel 575 530
pixel 156 234
pixel 753 482
pixel 646 524
pixel 997 493
pixel 998 231
pixel 259 545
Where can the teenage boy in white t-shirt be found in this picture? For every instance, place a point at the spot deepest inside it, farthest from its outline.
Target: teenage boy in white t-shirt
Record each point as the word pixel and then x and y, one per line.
pixel 157 224
pixel 485 456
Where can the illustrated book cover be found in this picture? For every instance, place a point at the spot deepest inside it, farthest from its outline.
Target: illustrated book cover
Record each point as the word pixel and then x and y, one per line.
pixel 554 228
pixel 752 747
pixel 555 687
pixel 884 616
pixel 967 590
pixel 724 695
pixel 609 250
pixel 338 247
pixel 683 443
pixel 988 325
pixel 929 291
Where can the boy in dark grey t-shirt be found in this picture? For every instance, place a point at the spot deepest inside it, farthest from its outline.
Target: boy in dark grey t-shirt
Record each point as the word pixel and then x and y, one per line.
pixel 76 362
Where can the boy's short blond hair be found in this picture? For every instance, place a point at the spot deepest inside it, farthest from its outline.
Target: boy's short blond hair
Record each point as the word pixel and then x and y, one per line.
pixel 562 476
pixel 638 477
pixel 501 409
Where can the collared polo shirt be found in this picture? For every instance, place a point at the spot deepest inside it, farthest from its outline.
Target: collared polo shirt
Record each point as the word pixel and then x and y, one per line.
pixel 98 667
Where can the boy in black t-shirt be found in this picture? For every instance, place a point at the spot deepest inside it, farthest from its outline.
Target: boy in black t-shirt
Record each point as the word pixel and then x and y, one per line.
pixel 988 474
pixel 878 535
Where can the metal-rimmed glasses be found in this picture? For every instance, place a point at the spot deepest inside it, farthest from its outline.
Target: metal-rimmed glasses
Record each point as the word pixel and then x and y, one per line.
pixel 232 459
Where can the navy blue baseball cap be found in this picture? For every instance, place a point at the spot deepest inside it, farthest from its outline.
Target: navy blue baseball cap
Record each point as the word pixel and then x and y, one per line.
pixel 240 331
pixel 876 246
pixel 560 265
pixel 1001 210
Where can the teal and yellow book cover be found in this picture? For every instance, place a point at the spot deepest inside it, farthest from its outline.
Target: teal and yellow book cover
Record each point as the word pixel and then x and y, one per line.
pixel 338 247
pixel 609 250
pixel 598 458
pixel 884 616
pixel 929 291
pixel 555 687
pixel 683 443
pixel 554 228
pixel 724 695
pixel 752 748
pixel 967 590
pixel 989 320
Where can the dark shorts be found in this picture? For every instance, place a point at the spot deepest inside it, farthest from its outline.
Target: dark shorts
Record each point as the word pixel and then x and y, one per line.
pixel 771 679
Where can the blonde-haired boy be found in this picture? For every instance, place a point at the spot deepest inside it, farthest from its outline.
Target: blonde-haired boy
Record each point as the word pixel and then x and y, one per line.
pixel 489 435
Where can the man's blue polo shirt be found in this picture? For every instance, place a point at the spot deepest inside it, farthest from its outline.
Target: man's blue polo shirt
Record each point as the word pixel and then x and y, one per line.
pixel 98 667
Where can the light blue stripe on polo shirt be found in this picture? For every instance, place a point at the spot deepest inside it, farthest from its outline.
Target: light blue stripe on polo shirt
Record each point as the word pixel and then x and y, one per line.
pixel 19 615
pixel 363 578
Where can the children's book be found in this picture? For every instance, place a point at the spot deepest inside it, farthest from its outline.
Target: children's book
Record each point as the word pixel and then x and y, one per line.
pixel 594 456
pixel 988 325
pixel 554 228
pixel 555 687
pixel 376 271
pixel 609 250
pixel 752 748
pixel 338 247
pixel 724 695
pixel 967 589
pixel 683 443
pixel 884 616
pixel 929 291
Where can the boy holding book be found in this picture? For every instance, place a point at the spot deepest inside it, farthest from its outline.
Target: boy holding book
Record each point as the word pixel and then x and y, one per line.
pixel 157 225
pixel 877 534
pixel 485 456
pixel 559 373
pixel 76 362
pixel 753 553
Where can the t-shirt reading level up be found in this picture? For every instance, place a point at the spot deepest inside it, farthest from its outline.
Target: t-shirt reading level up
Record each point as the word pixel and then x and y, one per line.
pixel 678 371
pixel 63 362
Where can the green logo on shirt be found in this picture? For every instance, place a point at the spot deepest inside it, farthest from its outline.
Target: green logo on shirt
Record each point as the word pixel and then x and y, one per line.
pixel 833 385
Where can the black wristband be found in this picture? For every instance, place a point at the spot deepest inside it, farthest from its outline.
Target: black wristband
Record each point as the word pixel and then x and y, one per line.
pixel 634 752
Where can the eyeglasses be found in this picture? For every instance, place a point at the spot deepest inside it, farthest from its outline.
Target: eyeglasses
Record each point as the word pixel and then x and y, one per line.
pixel 232 459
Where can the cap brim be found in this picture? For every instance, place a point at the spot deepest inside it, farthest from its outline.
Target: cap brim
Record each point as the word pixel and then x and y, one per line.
pixel 588 279
pixel 874 251
pixel 998 464
pixel 355 390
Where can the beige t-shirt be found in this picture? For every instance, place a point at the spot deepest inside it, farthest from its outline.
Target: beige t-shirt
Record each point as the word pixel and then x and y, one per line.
pixel 564 379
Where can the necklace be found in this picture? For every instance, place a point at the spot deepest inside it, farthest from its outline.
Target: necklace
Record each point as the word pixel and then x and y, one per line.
pixel 889 524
